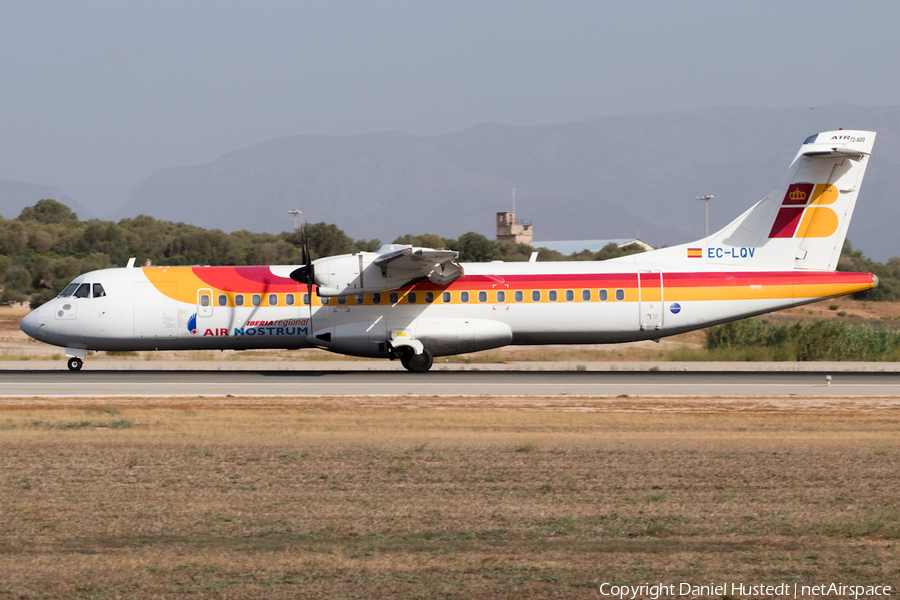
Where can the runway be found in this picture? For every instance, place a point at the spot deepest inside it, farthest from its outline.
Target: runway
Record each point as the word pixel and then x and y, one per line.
pixel 279 383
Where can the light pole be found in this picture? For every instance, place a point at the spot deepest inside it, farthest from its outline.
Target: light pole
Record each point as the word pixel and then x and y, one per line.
pixel 706 199
pixel 295 212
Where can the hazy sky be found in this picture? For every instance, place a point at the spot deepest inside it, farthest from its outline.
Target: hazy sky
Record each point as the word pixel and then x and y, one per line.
pixel 97 95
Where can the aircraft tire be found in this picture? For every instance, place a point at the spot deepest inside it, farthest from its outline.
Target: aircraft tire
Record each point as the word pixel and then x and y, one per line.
pixel 405 355
pixel 419 363
pixel 75 363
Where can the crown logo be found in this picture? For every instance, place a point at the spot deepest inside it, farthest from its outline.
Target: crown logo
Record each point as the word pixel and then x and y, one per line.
pixel 798 195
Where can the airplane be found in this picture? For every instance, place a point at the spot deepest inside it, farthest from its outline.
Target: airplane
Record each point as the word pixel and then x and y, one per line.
pixel 414 304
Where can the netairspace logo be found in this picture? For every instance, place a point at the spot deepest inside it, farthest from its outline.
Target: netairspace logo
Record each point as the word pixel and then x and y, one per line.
pixel 782 590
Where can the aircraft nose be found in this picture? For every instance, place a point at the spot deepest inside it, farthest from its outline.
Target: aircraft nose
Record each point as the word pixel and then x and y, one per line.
pixel 31 324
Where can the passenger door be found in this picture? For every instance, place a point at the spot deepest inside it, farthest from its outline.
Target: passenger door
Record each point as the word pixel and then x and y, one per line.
pixel 650 300
pixel 204 302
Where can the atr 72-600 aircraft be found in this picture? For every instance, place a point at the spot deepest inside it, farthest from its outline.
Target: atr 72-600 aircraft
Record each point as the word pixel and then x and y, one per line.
pixel 417 303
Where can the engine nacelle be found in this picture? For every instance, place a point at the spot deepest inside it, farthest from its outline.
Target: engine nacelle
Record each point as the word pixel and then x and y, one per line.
pixel 390 268
pixel 350 274
pixel 441 337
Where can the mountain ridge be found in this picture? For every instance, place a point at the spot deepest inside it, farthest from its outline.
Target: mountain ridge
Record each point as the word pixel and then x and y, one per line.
pixel 605 177
pixel 16 195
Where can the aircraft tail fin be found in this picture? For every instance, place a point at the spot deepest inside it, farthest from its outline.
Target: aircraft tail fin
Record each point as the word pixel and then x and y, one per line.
pixel 803 223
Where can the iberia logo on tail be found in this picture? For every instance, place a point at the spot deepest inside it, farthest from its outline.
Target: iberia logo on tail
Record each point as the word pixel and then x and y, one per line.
pixel 804 214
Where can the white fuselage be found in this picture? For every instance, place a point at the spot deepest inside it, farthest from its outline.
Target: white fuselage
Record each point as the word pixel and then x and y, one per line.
pixel 538 303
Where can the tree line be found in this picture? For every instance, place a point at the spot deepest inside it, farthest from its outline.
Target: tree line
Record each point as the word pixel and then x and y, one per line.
pixel 46 246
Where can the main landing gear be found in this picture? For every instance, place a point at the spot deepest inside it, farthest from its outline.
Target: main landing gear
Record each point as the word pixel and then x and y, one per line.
pixel 416 363
pixel 75 363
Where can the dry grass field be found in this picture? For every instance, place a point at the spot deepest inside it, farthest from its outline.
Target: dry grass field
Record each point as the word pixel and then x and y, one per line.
pixel 442 498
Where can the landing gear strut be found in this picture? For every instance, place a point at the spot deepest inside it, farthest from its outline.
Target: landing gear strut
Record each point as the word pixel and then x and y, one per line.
pixel 416 363
pixel 75 363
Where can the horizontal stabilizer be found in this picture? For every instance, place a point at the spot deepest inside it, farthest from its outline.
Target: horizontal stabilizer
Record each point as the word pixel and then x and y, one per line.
pixel 849 153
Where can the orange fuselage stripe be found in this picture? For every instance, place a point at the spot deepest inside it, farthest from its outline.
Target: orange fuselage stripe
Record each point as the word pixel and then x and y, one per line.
pixel 184 283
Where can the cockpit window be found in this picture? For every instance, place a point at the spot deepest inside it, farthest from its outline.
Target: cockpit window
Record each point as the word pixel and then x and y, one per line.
pixel 99 292
pixel 68 291
pixel 83 291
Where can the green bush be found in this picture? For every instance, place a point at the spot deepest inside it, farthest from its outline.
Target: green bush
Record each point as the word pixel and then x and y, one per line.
pixel 49 244
pixel 888 273
pixel 825 340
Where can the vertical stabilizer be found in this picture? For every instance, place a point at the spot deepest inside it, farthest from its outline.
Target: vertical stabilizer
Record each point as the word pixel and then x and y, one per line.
pixel 800 225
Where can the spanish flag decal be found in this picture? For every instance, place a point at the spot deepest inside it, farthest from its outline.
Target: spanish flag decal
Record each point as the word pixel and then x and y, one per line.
pixel 695 252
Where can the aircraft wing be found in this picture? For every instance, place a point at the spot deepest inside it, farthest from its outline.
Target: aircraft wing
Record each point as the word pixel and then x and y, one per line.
pixel 438 266
pixel 381 271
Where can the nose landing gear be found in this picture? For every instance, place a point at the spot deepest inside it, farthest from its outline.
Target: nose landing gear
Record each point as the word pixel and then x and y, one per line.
pixel 75 363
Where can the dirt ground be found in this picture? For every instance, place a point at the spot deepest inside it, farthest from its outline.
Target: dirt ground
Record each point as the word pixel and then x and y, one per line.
pixel 443 497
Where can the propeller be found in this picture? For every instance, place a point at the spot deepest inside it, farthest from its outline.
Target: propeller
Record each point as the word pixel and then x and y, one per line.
pixel 307 273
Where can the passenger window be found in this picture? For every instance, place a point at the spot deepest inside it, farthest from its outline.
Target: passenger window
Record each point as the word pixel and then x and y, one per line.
pixel 603 295
pixel 536 296
pixel 464 297
pixel 501 296
pixel 273 299
pixel 99 292
pixel 360 299
pixel 551 295
pixel 68 291
pixel 519 295
pixel 325 301
pixel 289 299
pixel 620 295
pixel 570 295
pixel 222 300
pixel 342 299
pixel 306 299
pixel 83 291
pixel 411 297
pixel 429 297
pixel 482 296
pixel 376 298
pixel 394 298
pixel 446 297
pixel 585 295
pixel 255 299
pixel 204 300
pixel 239 300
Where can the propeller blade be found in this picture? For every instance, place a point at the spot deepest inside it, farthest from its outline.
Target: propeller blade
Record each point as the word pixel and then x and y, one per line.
pixel 307 271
